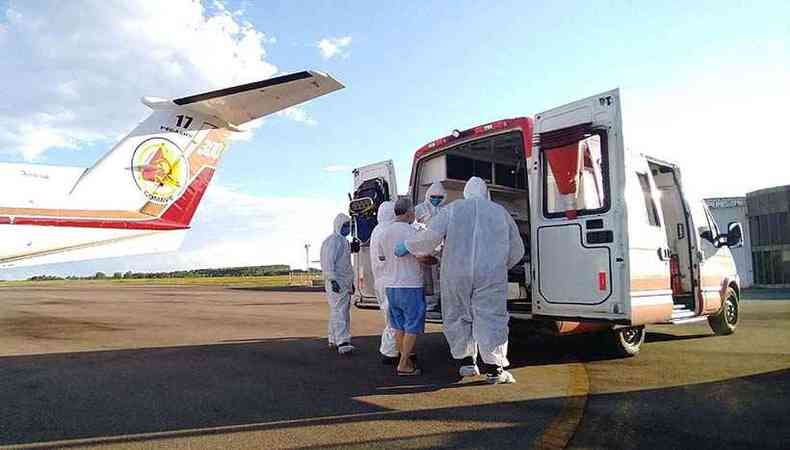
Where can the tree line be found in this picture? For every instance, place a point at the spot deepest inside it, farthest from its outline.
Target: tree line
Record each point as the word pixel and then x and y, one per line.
pixel 245 271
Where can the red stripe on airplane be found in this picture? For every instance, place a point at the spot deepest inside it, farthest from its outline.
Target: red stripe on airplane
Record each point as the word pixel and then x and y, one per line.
pixel 176 217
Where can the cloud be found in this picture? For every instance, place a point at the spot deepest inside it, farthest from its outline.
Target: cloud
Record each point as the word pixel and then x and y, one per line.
pixel 337 168
pixel 79 68
pixel 234 228
pixel 297 114
pixel 334 46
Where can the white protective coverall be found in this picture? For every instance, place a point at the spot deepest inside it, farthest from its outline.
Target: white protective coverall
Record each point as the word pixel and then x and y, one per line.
pixel 481 242
pixel 336 265
pixel 424 213
pixel 386 216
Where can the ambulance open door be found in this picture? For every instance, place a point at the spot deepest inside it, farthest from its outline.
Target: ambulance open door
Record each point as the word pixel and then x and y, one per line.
pixel 580 249
pixel 373 184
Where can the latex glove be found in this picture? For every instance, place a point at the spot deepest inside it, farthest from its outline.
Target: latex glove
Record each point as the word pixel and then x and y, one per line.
pixel 335 286
pixel 400 249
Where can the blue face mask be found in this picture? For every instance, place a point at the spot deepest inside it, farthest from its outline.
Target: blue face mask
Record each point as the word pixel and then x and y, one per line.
pixel 345 229
pixel 436 201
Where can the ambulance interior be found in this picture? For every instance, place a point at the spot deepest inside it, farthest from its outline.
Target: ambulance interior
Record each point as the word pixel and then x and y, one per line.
pixel 677 230
pixel 501 162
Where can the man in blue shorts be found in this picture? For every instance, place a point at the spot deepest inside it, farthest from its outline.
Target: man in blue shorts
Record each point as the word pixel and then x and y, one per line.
pixel 404 288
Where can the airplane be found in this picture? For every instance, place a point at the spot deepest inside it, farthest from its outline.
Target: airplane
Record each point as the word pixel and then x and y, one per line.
pixel 141 196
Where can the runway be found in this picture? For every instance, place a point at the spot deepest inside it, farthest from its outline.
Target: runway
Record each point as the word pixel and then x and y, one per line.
pixel 91 365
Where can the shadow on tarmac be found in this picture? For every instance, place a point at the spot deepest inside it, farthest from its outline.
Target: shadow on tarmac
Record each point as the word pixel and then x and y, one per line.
pixel 653 336
pixel 739 413
pixel 261 383
pixel 282 383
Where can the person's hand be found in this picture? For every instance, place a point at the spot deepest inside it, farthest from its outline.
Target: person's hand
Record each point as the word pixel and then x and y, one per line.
pixel 400 249
pixel 335 286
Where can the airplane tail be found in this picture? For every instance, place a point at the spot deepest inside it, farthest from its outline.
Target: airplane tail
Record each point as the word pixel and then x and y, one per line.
pixel 160 171
pixel 141 196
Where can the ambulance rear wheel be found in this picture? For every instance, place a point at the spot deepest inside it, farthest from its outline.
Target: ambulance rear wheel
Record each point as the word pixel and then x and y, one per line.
pixel 726 320
pixel 627 341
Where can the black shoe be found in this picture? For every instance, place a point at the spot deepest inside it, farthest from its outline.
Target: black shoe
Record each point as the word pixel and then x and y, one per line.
pixel 490 369
pixel 390 360
pixel 468 361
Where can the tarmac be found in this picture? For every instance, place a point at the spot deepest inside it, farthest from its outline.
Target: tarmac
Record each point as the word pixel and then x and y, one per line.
pixel 117 366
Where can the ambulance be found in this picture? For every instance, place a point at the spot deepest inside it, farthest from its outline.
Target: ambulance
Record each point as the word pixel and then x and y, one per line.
pixel 613 240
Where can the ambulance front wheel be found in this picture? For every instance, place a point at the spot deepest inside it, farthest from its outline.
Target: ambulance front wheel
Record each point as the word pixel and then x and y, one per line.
pixel 726 320
pixel 627 341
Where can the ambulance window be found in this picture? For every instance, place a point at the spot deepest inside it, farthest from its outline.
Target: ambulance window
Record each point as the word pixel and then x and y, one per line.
pixel 650 204
pixel 575 178
pixel 462 168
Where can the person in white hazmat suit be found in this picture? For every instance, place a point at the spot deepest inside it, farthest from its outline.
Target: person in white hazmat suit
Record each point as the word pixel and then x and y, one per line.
pixel 481 242
pixel 338 283
pixel 378 256
pixel 435 198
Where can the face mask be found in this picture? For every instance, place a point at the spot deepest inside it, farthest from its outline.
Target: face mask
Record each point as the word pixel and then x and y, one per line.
pixel 435 201
pixel 345 229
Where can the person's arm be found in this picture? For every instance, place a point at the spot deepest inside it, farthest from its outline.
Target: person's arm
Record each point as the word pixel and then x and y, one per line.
pixel 329 256
pixel 424 243
pixel 516 243
pixel 375 254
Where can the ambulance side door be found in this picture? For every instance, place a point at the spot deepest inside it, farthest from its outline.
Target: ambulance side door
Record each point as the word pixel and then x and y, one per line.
pixel 649 253
pixel 712 258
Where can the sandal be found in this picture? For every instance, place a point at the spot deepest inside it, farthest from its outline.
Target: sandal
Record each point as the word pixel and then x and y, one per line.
pixel 409 373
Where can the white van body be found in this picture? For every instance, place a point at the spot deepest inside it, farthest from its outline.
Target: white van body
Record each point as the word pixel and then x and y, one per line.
pixel 613 241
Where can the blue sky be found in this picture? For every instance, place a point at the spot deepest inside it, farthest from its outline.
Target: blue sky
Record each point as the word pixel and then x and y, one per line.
pixel 414 71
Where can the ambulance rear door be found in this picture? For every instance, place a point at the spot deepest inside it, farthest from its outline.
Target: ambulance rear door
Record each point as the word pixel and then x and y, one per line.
pixel 372 185
pixel 580 249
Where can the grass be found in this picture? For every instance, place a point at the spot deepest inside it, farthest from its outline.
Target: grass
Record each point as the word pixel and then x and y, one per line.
pixel 261 281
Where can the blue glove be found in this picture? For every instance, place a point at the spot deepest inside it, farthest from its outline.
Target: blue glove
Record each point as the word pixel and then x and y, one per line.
pixel 400 249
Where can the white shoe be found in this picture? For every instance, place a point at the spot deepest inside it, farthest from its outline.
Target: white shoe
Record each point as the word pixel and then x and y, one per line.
pixel 503 377
pixel 345 349
pixel 469 371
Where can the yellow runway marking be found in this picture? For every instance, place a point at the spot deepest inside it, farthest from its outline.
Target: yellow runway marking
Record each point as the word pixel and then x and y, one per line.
pixel 560 430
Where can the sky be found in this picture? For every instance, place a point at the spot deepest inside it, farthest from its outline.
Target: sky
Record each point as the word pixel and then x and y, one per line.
pixel 704 84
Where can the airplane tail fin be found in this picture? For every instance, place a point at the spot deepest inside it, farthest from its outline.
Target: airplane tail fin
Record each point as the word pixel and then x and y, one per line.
pixel 163 167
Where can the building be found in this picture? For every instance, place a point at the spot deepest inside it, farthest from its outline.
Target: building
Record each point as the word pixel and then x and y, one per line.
pixel 734 209
pixel 769 222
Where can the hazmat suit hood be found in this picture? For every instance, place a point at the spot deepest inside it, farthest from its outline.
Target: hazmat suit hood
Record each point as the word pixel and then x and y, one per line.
pixel 476 188
pixel 436 190
pixel 426 210
pixel 340 219
pixel 386 214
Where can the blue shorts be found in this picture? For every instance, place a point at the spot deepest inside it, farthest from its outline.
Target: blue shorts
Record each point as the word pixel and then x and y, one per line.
pixel 407 309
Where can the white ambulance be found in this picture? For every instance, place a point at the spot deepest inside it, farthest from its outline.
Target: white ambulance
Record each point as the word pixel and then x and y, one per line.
pixel 613 241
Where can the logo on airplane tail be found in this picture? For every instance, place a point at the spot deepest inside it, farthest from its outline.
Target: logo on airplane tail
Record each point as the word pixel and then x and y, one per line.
pixel 160 169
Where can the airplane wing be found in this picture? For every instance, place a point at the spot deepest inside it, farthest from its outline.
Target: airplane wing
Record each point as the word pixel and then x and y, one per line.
pixel 239 104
